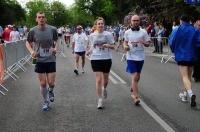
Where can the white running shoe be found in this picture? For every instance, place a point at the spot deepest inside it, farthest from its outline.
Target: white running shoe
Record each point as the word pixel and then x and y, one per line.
pixel 183 97
pixel 104 93
pixel 82 70
pixel 100 104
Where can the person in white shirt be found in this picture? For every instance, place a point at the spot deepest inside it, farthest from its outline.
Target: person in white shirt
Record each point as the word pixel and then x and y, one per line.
pixel 14 35
pixel 79 45
pixel 135 40
pixel 174 25
pixel 67 34
pixel 121 37
pixel 101 59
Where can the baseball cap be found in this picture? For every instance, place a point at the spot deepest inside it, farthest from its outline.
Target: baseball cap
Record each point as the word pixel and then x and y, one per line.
pixel 79 27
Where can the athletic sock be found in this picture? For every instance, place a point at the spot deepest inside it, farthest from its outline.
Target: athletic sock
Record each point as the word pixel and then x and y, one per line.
pixel 185 93
pixel 189 92
pixel 51 88
pixel 44 92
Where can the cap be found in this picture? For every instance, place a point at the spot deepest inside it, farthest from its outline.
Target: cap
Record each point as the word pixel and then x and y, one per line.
pixel 185 18
pixel 79 27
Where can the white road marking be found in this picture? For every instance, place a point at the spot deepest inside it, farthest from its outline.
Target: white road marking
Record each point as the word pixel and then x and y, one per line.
pixel 156 117
pixel 113 80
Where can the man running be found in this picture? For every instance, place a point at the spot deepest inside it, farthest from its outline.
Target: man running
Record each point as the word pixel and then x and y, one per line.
pixel 46 43
pixel 79 44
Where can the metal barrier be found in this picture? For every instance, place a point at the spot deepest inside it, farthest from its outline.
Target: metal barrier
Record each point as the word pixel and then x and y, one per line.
pixel 15 56
pixel 159 48
pixel 61 47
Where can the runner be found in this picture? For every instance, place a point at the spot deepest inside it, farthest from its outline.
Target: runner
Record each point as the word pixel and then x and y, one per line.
pixel 135 40
pixel 183 43
pixel 67 34
pixel 46 44
pixel 101 59
pixel 79 44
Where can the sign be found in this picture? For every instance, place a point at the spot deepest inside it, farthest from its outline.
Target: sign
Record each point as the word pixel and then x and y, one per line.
pixel 193 1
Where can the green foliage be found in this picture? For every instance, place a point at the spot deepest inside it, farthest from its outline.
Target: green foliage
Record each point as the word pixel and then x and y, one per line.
pixel 9 10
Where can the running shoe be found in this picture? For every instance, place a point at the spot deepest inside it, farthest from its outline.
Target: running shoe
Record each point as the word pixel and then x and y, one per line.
pixel 183 97
pixel 51 96
pixel 82 70
pixel 192 100
pixel 104 93
pixel 76 72
pixel 100 104
pixel 136 100
pixel 45 106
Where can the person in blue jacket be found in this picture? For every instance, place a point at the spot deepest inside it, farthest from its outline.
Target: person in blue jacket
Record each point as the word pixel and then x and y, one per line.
pixel 183 43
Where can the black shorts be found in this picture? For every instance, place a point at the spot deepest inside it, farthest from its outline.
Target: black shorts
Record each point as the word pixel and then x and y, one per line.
pixel 101 65
pixel 186 63
pixel 47 67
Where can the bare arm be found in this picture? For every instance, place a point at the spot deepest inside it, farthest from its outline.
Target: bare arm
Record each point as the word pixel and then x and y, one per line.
pixel 33 53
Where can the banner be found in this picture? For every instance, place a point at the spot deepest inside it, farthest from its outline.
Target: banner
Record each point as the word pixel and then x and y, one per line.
pixel 1 64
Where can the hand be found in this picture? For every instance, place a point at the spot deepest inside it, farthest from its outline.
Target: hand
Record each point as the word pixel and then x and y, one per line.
pixel 72 51
pixel 88 53
pixel 105 46
pixel 127 48
pixel 54 50
pixel 34 54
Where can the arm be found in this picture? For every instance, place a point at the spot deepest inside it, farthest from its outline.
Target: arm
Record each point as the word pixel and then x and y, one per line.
pixel 73 45
pixel 126 46
pixel 33 53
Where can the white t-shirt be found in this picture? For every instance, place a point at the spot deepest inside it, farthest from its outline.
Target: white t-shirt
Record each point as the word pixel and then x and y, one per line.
pixel 67 30
pixel 80 42
pixel 59 30
pixel 136 49
pixel 14 35
pixel 97 40
pixel 173 27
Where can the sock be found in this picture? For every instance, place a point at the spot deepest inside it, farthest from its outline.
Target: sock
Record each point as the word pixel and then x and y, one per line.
pixel 190 92
pixel 44 92
pixel 51 88
pixel 185 93
pixel 100 99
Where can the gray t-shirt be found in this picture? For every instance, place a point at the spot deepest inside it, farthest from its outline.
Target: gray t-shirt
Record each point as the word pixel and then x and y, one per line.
pixel 43 42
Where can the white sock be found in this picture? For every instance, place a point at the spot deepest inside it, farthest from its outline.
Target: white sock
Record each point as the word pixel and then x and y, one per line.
pixel 103 88
pixel 100 99
pixel 185 93
pixel 44 92
pixel 189 92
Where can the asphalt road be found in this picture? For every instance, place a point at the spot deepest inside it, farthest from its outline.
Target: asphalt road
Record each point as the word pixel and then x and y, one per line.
pixel 74 109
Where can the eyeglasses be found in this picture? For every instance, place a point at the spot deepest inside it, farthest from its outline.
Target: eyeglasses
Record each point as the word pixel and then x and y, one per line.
pixel 135 20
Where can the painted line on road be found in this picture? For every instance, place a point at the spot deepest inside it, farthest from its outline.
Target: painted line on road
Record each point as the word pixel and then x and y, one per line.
pixel 119 78
pixel 156 117
pixel 113 80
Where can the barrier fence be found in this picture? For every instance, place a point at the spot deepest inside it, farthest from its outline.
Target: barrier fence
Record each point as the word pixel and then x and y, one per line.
pixel 14 55
pixel 158 48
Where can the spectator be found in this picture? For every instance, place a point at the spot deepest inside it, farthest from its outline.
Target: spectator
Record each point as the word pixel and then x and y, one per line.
pixel 14 35
pixel 6 34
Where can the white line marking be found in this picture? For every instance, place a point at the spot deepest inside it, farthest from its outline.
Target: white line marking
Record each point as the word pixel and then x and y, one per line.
pixel 113 80
pixel 156 117
pixel 119 78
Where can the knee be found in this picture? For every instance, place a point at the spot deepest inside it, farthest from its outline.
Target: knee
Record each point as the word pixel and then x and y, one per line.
pixel 43 84
pixel 98 81
pixel 51 84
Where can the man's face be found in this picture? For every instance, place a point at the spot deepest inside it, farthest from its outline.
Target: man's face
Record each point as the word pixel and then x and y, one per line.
pixel 197 25
pixel 41 19
pixel 135 21
pixel 79 30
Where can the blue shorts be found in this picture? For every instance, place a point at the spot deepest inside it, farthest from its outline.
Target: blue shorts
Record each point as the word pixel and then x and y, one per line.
pixel 80 53
pixel 134 66
pixel 47 67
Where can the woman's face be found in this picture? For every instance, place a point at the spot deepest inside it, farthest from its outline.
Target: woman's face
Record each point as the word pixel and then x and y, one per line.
pixel 100 25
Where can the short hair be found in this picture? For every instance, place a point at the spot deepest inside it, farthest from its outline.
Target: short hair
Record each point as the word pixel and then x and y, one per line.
pixel 185 18
pixel 40 12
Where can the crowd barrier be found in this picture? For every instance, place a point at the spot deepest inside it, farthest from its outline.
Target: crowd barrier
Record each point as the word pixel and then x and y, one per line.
pixel 14 55
pixel 159 47
pixel 61 47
